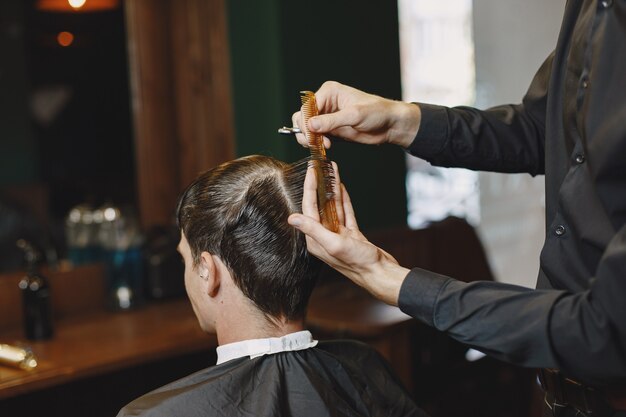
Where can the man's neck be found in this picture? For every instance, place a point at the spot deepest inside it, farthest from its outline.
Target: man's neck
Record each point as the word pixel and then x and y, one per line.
pixel 246 325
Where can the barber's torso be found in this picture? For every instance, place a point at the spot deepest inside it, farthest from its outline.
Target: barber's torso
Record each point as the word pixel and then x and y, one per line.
pixel 585 143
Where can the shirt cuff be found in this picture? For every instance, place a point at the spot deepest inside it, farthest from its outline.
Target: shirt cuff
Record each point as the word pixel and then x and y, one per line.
pixel 419 292
pixel 432 134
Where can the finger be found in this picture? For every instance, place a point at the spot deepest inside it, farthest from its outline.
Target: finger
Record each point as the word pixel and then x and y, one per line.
pixel 348 209
pixel 337 191
pixel 312 246
pixel 347 132
pixel 328 241
pixel 309 195
pixel 325 123
pixel 296 121
pixel 327 96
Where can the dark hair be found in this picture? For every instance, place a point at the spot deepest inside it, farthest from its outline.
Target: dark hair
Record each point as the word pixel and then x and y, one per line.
pixel 238 211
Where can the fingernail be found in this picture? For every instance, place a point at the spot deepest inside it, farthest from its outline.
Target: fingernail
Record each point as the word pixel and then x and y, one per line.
pixel 314 124
pixel 294 221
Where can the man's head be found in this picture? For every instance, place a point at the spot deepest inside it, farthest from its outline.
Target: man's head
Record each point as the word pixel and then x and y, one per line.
pixel 237 212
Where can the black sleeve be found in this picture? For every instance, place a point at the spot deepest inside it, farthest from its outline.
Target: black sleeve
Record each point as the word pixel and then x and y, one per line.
pixel 507 138
pixel 583 334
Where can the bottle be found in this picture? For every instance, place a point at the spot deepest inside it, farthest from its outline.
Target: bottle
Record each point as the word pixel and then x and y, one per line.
pixel 81 229
pixel 35 296
pixel 120 242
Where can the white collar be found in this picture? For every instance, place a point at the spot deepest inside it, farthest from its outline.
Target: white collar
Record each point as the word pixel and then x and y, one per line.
pixel 259 347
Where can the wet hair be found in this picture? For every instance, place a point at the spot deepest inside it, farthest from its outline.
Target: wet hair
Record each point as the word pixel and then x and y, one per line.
pixel 238 211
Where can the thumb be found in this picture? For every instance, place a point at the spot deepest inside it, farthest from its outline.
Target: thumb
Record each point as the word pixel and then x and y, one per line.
pixel 325 123
pixel 313 229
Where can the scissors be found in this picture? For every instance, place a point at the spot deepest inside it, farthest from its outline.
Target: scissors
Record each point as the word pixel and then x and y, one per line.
pixel 289 130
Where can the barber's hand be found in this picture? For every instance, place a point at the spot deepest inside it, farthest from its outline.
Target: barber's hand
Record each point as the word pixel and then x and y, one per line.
pixel 361 117
pixel 348 251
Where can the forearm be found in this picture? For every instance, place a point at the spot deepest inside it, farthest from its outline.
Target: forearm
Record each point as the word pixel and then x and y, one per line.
pixel 506 138
pixel 383 280
pixel 501 139
pixel 583 334
pixel 506 321
pixel 404 123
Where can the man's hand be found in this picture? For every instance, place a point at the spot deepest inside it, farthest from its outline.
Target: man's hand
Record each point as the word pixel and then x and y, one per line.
pixel 361 117
pixel 348 251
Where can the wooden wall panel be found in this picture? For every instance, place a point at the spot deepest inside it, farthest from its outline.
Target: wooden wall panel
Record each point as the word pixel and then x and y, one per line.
pixel 148 29
pixel 181 98
pixel 202 86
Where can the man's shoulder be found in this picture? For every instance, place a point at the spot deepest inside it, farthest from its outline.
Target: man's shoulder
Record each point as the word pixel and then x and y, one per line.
pixel 343 377
pixel 351 350
pixel 183 394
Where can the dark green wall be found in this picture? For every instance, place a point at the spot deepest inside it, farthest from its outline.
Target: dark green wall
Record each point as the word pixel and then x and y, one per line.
pixel 257 76
pixel 279 47
pixel 18 151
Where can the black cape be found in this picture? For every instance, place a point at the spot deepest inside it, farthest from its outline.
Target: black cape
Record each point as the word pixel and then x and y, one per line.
pixel 340 378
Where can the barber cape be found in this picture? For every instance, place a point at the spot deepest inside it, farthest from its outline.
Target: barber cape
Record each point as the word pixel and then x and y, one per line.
pixel 289 376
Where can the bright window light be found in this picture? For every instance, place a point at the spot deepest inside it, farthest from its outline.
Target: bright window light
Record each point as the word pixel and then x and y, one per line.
pixel 437 64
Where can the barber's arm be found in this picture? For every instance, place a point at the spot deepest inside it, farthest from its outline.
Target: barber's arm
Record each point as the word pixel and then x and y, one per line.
pixel 491 316
pixel 584 334
pixel 504 139
pixel 508 138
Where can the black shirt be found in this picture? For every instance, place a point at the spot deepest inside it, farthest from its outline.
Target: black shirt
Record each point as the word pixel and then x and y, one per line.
pixel 571 126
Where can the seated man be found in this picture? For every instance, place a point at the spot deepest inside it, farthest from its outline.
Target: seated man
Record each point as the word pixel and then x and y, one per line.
pixel 249 277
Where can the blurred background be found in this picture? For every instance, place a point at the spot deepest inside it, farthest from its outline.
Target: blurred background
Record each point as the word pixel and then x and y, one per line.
pixel 110 107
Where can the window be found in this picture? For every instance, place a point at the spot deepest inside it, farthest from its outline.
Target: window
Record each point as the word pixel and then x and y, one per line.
pixel 437 61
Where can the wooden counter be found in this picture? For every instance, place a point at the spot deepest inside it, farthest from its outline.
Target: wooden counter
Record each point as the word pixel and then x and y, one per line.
pixel 105 342
pixel 343 308
pixel 93 344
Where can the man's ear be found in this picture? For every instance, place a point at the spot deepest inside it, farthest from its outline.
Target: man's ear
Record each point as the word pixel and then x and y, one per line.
pixel 209 272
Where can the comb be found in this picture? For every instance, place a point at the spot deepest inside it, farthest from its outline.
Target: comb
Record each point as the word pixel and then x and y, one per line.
pixel 321 164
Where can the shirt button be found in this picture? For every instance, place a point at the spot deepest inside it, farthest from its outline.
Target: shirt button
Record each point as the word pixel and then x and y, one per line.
pixel 606 3
pixel 580 158
pixel 560 230
pixel 585 82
